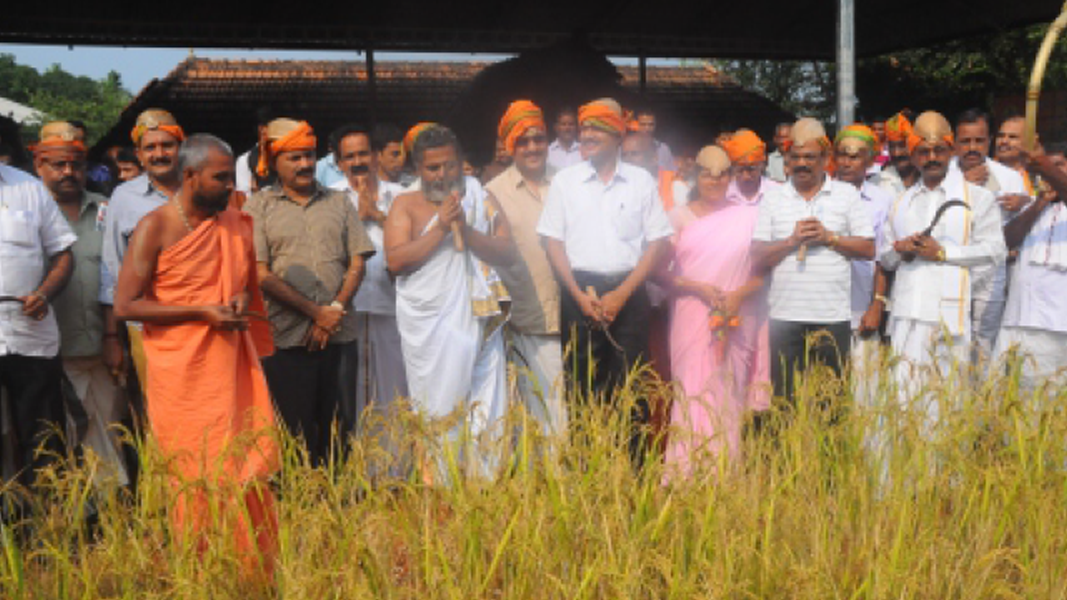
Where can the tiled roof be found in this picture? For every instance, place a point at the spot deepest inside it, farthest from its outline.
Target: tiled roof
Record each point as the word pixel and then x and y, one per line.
pixel 222 96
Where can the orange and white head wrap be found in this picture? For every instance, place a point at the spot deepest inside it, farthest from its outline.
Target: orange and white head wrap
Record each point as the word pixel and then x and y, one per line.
pixel 413 134
pixel 807 130
pixel 713 159
pixel 156 119
pixel 521 116
pixel 604 114
pixel 931 127
pixel 745 147
pixel 60 137
pixel 285 135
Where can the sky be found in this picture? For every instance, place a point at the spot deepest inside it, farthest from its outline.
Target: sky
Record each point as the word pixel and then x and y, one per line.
pixel 138 66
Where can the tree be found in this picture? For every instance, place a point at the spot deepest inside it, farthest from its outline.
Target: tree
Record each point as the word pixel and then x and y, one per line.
pixel 63 96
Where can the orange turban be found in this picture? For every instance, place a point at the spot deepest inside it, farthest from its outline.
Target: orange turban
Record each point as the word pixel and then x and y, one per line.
pixel 285 135
pixel 521 116
pixel 897 128
pixel 930 127
pixel 413 134
pixel 60 136
pixel 156 119
pixel 745 147
pixel 604 114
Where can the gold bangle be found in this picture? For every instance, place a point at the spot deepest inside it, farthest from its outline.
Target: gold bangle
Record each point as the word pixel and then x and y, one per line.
pixel 881 298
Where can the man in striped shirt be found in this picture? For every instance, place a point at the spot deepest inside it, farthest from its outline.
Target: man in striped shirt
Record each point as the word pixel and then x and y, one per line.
pixel 807 233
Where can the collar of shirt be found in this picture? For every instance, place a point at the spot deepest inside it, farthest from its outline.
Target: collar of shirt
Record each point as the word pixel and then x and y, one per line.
pixel 826 188
pixel 276 192
pixel 88 201
pixel 592 175
pixel 517 181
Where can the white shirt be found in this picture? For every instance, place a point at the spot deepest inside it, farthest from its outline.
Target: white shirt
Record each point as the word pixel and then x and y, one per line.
pixel 1037 296
pixel 890 181
pixel 560 158
pixel 990 281
pixel 32 230
pixel 877 202
pixel 377 293
pixel 918 284
pixel 605 228
pixel 816 290
pixel 243 174
pixel 776 167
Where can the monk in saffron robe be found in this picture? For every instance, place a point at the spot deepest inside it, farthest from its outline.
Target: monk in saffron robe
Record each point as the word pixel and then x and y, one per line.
pixel 190 277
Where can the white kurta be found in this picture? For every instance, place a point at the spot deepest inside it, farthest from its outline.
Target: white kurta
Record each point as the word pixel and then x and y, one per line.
pixel 455 360
pixel 930 325
pixel 1035 319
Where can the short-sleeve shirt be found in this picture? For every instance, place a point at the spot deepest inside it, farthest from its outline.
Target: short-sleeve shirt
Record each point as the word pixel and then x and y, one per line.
pixel 32 230
pixel 818 289
pixel 310 248
pixel 130 202
pixel 605 227
pixel 77 307
pixel 877 201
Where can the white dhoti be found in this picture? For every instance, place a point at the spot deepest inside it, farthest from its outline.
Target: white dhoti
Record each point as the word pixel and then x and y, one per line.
pixel 381 386
pixel 986 318
pixel 1043 354
pixel 105 406
pixel 928 357
pixel 538 364
pixel 455 361
pixel 866 359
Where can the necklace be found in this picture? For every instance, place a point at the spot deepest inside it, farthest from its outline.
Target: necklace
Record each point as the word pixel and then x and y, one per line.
pixel 181 212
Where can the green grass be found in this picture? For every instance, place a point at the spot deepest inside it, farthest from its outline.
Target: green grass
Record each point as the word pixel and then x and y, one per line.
pixel 975 507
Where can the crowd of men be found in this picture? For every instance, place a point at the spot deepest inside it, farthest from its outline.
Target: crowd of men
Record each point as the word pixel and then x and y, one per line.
pixel 278 287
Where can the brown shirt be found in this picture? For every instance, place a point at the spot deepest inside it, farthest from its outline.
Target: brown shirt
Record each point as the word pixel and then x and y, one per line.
pixel 310 248
pixel 530 280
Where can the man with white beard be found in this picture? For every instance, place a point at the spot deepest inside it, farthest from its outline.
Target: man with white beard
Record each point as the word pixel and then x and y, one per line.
pixel 440 242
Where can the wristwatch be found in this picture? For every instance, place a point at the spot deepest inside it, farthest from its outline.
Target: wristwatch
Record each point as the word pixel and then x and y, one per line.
pixel 337 305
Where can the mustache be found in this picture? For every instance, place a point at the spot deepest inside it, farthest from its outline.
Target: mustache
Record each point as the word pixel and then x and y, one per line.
pixel 359 169
pixel 973 154
pixel 933 164
pixel 802 169
pixel 161 162
pixel 306 172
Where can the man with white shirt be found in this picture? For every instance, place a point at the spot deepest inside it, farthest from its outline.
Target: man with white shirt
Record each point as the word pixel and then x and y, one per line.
pixel 989 282
pixel 776 160
pixel 930 327
pixel 855 149
pixel 646 124
pixel 807 233
pixel 1035 317
pixel 380 377
pixel 35 264
pixel 604 230
pixel 565 150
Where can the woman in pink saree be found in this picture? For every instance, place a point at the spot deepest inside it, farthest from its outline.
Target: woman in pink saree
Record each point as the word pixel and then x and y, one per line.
pixel 718 331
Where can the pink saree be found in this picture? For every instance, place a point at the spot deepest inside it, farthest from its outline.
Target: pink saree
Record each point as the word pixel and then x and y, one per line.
pixel 721 377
